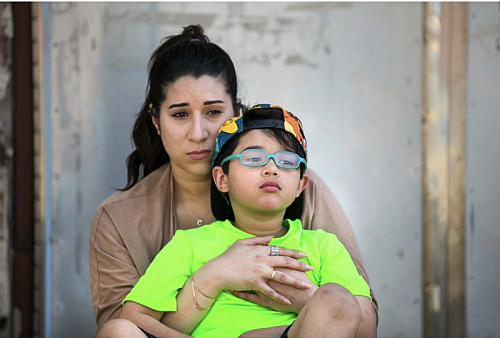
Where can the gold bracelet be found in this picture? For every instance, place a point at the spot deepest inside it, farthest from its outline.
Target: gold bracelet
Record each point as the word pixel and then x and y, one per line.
pixel 197 288
pixel 194 296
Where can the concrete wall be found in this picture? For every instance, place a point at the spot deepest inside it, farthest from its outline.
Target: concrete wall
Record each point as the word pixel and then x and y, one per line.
pixel 351 71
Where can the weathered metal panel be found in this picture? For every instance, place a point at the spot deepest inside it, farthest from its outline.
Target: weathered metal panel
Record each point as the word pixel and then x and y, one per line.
pixel 435 173
pixel 351 71
pixel 457 67
pixel 483 179
pixel 443 179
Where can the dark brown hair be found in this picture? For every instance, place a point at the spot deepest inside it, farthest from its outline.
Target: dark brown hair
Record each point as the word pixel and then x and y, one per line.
pixel 188 54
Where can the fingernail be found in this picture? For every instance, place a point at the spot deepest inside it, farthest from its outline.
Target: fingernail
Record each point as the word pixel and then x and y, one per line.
pixel 305 286
pixel 302 255
pixel 309 267
pixel 286 301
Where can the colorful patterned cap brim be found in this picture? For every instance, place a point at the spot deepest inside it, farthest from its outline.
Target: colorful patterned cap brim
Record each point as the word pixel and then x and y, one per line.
pixel 221 208
pixel 234 126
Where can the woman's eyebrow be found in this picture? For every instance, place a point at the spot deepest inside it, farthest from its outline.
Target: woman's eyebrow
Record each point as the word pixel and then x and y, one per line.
pixel 177 105
pixel 212 102
pixel 185 104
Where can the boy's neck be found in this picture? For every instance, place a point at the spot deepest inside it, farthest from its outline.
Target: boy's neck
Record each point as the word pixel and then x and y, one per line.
pixel 261 225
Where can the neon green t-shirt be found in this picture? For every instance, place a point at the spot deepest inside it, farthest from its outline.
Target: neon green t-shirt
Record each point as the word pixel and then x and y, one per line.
pixel 231 316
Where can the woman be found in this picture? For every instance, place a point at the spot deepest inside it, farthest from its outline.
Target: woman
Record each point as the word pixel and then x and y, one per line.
pixel 192 91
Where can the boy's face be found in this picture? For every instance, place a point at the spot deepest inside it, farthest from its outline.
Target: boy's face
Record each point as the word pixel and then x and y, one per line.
pixel 267 189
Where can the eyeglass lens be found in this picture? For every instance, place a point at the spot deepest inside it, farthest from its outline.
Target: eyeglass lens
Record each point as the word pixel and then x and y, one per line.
pixel 260 158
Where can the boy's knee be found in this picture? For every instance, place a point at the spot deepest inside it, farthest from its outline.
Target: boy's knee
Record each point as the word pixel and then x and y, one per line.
pixel 119 328
pixel 339 300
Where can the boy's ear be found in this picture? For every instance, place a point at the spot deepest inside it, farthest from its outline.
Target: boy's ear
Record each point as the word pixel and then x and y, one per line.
pixel 304 181
pixel 220 179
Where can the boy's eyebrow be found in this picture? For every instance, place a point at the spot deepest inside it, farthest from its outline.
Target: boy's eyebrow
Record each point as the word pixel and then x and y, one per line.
pixel 256 147
pixel 185 104
pixel 253 147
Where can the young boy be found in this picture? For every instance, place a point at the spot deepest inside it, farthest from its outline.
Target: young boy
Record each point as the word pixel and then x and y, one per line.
pixel 258 176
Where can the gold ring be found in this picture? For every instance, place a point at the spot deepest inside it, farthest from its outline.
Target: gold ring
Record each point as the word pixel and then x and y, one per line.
pixel 272 275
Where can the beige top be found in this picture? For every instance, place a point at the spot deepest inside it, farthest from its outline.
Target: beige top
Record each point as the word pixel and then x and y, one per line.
pixel 130 227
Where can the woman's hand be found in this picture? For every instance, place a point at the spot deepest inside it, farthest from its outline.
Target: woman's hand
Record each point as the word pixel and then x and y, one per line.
pixel 298 297
pixel 247 266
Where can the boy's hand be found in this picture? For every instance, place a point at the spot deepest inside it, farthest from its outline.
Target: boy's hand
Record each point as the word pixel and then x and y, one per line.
pixel 298 297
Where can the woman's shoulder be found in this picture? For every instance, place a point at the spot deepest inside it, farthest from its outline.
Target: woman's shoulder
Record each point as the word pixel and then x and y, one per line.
pixel 128 227
pixel 147 188
pixel 321 208
pixel 139 211
pixel 316 187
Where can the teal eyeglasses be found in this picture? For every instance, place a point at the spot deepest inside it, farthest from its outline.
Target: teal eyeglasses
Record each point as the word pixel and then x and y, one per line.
pixel 259 158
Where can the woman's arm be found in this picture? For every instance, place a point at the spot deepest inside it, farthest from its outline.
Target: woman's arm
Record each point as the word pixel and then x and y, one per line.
pixel 112 270
pixel 246 265
pixel 298 297
pixel 190 311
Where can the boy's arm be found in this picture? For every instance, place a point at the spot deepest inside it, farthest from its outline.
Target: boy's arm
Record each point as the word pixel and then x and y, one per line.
pixel 148 320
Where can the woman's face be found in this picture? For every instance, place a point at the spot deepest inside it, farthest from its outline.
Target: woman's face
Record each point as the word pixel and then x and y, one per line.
pixel 190 117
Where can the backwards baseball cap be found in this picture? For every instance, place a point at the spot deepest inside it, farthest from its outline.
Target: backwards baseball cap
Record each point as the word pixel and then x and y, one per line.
pixel 280 119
